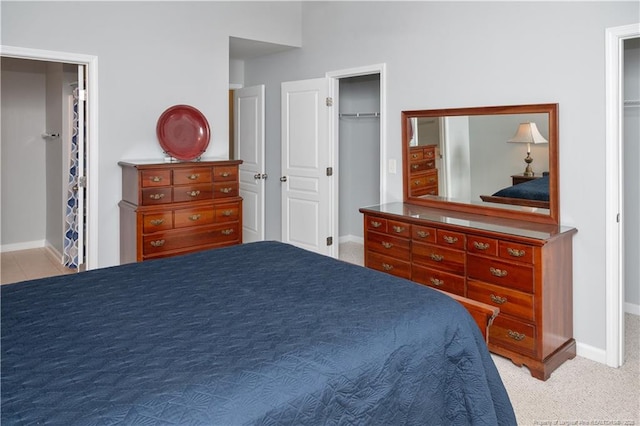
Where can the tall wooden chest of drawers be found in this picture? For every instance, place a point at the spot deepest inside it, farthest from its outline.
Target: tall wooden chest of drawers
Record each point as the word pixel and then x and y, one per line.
pixel 523 268
pixel 423 175
pixel 175 208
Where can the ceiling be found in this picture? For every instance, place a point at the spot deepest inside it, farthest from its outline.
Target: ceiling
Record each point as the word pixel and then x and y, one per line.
pixel 243 49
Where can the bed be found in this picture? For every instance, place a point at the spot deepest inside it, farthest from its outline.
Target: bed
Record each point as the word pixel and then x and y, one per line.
pixel 260 333
pixel 533 193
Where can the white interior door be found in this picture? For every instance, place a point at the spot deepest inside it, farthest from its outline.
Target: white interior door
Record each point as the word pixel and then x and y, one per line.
pixel 82 177
pixel 249 147
pixel 306 169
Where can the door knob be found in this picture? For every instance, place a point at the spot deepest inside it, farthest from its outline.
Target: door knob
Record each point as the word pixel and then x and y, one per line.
pixel 283 179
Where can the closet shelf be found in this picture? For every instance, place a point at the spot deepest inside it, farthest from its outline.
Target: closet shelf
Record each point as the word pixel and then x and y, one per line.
pixel 360 114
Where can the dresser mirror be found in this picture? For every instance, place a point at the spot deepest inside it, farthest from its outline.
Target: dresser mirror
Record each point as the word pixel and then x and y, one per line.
pixel 500 161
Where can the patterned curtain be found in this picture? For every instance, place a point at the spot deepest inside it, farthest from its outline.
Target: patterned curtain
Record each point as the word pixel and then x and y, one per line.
pixel 70 249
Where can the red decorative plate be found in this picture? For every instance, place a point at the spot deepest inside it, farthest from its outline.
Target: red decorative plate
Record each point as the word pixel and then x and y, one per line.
pixel 183 132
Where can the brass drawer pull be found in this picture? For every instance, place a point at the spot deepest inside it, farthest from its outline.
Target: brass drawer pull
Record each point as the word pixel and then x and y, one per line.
pixel 498 272
pixel 387 245
pixel 398 229
pixel 227 231
pixel 194 176
pixel 414 156
pixel 423 234
pixel 515 252
pixel 195 217
pixel 436 282
pixel 226 190
pixel 499 300
pixel 436 257
pixel 376 224
pixel 193 193
pixel 157 243
pixel 515 335
pixel 429 154
pixel 227 213
pixel 387 267
pixel 156 196
pixel 480 246
pixel 156 222
pixel 156 179
pixel 416 183
pixel 450 240
pixel 432 180
pixel 415 166
pixel 225 174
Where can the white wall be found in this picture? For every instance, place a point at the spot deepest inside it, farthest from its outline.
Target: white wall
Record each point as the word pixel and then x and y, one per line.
pixel 23 154
pixel 151 55
pixel 460 54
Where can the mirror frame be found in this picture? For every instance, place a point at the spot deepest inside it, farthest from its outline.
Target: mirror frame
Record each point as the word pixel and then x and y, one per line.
pixel 444 204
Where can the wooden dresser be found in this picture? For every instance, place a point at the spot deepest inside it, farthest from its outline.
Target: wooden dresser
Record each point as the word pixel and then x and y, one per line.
pixel 423 175
pixel 175 208
pixel 523 268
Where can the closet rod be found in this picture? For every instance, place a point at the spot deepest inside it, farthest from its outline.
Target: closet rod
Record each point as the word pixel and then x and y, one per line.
pixel 360 114
pixel 632 103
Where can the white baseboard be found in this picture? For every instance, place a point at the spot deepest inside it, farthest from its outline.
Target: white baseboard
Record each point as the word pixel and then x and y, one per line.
pixel 631 308
pixel 53 252
pixel 592 353
pixel 350 239
pixel 27 245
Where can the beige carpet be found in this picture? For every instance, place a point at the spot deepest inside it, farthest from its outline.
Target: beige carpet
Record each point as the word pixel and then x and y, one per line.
pixel 579 392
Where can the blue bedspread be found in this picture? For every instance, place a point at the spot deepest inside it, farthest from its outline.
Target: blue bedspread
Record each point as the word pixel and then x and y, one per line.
pixel 263 333
pixel 536 189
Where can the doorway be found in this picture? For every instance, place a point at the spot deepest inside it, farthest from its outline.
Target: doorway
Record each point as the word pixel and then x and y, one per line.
pixel 359 141
pixel 88 65
pixel 617 193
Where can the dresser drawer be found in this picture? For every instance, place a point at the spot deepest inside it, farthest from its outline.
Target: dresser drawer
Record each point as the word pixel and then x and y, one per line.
pixel 191 176
pixel 421 166
pixel 154 196
pixel 227 213
pixel 426 180
pixel 482 245
pixel 389 245
pixel 154 222
pixel 151 178
pixel 506 274
pixel 450 239
pixel 515 251
pixel 196 192
pixel 423 234
pixel 375 223
pixel 225 173
pixel 184 218
pixel 400 229
pixel 513 334
pixel 438 279
pixel 510 302
pixel 187 238
pixel 225 190
pixel 388 264
pixel 437 257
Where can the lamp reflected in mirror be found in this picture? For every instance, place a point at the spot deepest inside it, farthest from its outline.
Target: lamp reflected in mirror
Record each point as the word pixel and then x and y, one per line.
pixel 528 133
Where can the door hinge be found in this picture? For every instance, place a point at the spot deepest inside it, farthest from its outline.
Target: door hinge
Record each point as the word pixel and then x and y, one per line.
pixel 329 101
pixel 82 181
pixel 329 171
pixel 329 241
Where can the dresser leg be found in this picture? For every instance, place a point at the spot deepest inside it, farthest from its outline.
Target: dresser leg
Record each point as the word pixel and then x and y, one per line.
pixel 541 370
